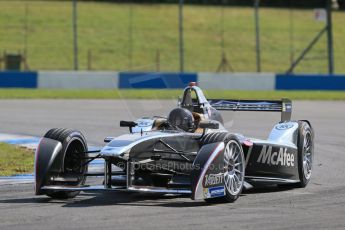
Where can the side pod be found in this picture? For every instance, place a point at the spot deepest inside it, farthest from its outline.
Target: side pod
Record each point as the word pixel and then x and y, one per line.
pixel 207 173
pixel 46 153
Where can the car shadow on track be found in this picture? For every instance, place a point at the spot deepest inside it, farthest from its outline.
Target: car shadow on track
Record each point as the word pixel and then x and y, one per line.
pixel 139 199
pixel 134 199
pixel 91 199
pixel 268 189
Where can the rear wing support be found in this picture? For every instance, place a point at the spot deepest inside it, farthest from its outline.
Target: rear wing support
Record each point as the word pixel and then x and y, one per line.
pixel 284 106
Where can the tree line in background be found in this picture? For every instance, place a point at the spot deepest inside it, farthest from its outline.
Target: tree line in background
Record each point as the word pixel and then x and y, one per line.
pixel 264 3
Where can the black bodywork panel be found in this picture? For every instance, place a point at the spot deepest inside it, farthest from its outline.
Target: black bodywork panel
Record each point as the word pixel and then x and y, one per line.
pixel 272 161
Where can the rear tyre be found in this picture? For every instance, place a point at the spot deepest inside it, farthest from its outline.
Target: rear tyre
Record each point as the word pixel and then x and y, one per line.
pixel 305 146
pixel 234 165
pixel 73 166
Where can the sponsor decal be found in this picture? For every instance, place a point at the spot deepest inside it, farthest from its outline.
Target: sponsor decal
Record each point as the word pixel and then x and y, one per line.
pixel 217 191
pixel 214 192
pixel 284 126
pixel 213 179
pixel 281 157
pixel 144 123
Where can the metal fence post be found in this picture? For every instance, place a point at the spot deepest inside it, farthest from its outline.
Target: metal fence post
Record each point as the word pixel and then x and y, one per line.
pixel 257 36
pixel 130 36
pixel 75 35
pixel 181 36
pixel 330 38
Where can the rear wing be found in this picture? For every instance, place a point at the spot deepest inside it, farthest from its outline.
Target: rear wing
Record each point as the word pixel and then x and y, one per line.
pixel 284 106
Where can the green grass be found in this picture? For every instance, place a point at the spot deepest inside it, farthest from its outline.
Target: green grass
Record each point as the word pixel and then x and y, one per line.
pixel 15 160
pixel 104 29
pixel 165 94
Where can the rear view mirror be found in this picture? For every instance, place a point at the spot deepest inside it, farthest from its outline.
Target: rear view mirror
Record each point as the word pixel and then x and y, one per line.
pixel 130 124
pixel 209 125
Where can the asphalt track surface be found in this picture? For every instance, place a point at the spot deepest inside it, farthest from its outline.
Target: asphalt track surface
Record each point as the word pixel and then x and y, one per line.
pixel 321 205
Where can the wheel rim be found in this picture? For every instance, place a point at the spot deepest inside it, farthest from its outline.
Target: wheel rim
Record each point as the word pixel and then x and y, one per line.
pixel 307 155
pixel 234 168
pixel 74 164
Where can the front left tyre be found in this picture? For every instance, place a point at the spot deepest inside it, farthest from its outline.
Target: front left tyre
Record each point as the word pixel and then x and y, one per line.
pixel 73 164
pixel 305 146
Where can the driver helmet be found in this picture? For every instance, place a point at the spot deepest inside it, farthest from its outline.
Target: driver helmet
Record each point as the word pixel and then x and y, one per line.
pixel 181 118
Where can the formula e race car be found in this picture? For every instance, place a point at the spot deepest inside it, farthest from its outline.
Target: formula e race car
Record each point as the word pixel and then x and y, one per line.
pixel 188 152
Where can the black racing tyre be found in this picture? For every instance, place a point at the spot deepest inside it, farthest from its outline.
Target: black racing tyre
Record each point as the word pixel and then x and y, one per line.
pixel 305 151
pixel 48 134
pixel 234 165
pixel 53 133
pixel 74 148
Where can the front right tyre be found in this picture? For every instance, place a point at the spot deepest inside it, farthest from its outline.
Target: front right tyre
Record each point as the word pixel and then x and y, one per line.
pixel 234 170
pixel 234 165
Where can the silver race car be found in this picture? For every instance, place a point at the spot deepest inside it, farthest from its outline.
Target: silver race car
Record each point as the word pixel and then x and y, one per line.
pixel 188 152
